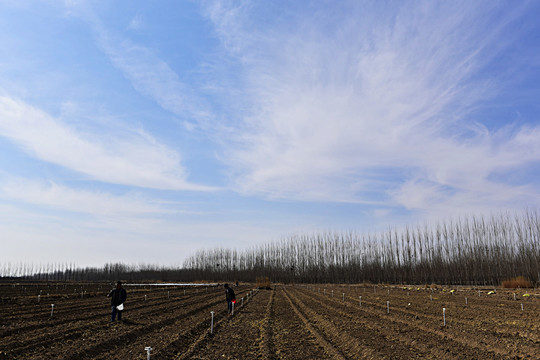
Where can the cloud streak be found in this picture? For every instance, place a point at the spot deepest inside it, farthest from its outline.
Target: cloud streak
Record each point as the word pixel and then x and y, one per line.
pixel 149 74
pixel 134 158
pixel 375 106
pixel 95 203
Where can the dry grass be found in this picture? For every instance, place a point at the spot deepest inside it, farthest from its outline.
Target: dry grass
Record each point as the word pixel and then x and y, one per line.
pixel 517 282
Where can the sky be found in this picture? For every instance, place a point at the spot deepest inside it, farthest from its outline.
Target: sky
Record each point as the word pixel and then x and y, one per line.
pixel 143 131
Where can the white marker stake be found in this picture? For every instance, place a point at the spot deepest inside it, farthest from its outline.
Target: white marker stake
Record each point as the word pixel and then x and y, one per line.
pixel 148 349
pixel 514 296
pixel 388 307
pixel 212 323
pixel 521 306
pixel 184 292
pixel 332 293
pixel 144 297
pixel 242 302
pixel 52 309
pixel 343 296
pixel 444 316
pixel 324 292
pixel 478 292
pixel 232 312
pixel 466 301
pixel 431 297
pixel 360 298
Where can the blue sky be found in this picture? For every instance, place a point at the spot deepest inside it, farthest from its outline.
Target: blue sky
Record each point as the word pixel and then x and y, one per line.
pixel 139 131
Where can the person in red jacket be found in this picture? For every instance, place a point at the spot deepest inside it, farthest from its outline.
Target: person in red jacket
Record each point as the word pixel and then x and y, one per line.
pixel 118 297
pixel 230 297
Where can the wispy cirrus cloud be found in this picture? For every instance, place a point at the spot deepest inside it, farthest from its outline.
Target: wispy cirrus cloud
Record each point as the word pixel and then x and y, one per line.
pixel 148 73
pixel 91 202
pixel 132 158
pixel 136 23
pixel 363 103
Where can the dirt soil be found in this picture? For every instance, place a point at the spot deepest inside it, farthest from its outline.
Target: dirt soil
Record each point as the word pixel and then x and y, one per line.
pixel 287 322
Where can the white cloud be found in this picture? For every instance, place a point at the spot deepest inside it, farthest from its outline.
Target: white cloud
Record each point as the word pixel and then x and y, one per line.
pixel 150 75
pixel 136 23
pixel 95 203
pixel 147 72
pixel 129 159
pixel 371 105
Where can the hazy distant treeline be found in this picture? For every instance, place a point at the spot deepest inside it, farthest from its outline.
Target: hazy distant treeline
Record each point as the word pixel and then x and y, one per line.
pixel 472 250
pixel 109 272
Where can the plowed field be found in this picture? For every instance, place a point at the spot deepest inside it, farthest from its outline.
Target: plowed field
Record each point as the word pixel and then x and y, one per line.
pixel 287 322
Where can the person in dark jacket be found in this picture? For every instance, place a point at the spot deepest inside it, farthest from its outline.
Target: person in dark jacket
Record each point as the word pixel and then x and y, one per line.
pixel 118 297
pixel 230 297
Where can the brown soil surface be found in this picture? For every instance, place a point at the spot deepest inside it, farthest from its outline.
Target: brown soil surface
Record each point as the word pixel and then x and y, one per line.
pixel 288 322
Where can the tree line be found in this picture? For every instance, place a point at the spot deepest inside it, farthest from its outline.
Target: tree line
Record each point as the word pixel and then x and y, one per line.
pixel 474 250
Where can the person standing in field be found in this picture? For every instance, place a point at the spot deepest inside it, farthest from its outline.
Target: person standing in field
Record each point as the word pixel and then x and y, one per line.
pixel 118 297
pixel 230 297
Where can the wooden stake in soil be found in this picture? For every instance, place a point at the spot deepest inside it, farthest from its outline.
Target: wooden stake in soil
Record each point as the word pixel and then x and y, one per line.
pixel 148 349
pixel 444 316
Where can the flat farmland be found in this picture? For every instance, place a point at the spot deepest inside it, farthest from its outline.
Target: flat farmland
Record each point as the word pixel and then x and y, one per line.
pixel 287 322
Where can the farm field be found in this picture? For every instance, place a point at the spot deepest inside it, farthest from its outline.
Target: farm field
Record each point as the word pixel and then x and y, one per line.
pixel 287 322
